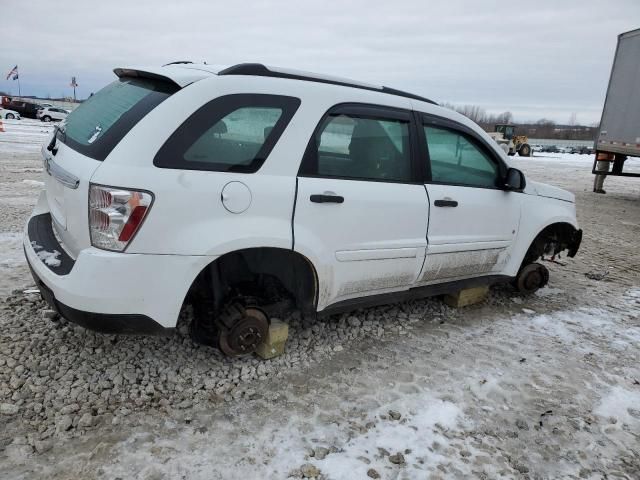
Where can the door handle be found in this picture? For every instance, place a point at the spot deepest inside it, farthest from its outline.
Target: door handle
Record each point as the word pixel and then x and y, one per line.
pixel 445 203
pixel 324 198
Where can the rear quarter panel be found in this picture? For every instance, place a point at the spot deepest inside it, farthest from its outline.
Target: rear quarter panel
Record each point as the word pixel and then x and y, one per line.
pixel 188 216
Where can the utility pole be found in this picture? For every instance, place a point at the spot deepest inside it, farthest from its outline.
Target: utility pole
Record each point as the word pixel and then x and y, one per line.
pixel 17 77
pixel 74 84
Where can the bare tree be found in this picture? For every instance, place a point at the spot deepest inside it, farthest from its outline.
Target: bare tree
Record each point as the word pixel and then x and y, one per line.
pixel 543 128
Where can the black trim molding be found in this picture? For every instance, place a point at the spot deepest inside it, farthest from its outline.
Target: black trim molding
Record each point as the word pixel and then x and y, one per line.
pixel 42 238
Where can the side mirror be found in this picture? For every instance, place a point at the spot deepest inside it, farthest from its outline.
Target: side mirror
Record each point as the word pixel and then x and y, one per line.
pixel 515 180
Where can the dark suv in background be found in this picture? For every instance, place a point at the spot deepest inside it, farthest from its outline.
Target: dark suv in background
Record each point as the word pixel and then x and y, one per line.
pixel 25 109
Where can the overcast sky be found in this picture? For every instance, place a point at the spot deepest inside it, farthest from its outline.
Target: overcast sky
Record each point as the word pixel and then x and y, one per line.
pixel 535 58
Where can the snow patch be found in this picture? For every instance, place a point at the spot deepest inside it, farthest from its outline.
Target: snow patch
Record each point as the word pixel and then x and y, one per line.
pixel 35 183
pixel 618 403
pixel 10 251
pixel 547 291
pixel 276 449
pixel 49 258
pixel 421 436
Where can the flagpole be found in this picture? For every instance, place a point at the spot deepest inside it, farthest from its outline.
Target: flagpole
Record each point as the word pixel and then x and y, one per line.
pixel 19 91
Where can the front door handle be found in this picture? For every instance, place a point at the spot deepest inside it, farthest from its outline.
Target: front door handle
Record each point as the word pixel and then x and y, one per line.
pixel 324 198
pixel 445 203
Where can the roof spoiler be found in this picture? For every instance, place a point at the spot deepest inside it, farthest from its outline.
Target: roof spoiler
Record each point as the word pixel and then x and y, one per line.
pixel 180 77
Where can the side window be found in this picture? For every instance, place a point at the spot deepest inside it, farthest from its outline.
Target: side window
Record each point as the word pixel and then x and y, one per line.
pixel 454 159
pixel 236 138
pixel 362 148
pixel 234 133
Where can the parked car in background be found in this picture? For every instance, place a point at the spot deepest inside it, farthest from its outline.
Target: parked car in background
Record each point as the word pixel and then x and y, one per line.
pixel 581 150
pixel 7 114
pixel 255 190
pixel 25 109
pixel 550 149
pixel 52 114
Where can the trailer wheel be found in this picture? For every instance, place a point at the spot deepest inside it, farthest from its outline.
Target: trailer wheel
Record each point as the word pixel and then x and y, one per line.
pixel 525 150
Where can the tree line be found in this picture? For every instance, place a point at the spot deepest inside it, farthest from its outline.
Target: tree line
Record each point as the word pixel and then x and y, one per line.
pixel 543 128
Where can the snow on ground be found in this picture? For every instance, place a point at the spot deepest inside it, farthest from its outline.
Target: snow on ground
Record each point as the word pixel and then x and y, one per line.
pixel 33 183
pixel 453 427
pixel 10 251
pixel 568 159
pixel 26 135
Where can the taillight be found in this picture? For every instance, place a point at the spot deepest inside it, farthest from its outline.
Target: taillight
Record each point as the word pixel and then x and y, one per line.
pixel 115 215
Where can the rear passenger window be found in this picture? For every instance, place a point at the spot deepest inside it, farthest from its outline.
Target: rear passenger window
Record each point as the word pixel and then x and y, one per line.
pixel 456 160
pixel 232 133
pixel 363 148
pixel 235 139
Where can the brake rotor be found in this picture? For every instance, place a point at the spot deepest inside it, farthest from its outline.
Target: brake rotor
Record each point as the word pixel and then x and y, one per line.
pixel 532 277
pixel 246 333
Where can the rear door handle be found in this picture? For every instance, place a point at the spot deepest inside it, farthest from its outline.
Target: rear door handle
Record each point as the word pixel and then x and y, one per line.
pixel 445 203
pixel 324 198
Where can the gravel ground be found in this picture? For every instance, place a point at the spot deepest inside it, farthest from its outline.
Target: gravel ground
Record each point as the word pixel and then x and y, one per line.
pixel 546 386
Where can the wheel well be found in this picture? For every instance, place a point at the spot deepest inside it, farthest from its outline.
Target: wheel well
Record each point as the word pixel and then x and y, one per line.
pixel 552 240
pixel 264 274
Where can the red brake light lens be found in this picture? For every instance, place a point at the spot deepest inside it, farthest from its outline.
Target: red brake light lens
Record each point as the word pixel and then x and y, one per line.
pixel 115 215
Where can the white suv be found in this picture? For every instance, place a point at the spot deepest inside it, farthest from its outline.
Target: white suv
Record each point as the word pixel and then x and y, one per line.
pixel 49 114
pixel 250 190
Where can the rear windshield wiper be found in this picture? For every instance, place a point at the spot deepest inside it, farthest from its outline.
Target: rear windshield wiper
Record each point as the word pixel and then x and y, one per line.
pixel 52 144
pixel 54 140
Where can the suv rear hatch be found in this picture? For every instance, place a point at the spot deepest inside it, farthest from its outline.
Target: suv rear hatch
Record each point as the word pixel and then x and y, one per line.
pixel 84 140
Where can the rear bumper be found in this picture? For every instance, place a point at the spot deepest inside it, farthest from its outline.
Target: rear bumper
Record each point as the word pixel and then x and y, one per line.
pixel 108 291
pixel 100 322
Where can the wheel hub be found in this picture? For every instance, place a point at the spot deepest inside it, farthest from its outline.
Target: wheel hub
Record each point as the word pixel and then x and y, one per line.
pixel 532 277
pixel 245 333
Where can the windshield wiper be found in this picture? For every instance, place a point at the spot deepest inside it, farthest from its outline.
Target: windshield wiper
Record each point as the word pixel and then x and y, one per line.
pixel 52 144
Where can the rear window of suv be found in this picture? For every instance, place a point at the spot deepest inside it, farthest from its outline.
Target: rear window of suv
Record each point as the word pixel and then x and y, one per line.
pixel 100 122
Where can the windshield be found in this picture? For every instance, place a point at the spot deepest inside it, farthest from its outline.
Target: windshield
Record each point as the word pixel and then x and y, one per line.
pixel 101 121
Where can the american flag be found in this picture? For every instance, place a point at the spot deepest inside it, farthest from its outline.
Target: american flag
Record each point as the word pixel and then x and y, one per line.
pixel 14 71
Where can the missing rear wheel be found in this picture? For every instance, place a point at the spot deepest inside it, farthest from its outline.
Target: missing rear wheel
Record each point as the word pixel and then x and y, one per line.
pixel 241 329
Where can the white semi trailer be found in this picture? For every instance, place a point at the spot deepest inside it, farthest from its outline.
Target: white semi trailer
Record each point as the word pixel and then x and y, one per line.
pixel 619 136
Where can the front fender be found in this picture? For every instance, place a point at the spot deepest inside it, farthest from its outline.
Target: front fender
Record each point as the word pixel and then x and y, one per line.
pixel 539 213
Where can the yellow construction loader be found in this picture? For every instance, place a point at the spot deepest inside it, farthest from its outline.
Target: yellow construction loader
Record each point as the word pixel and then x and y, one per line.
pixel 504 135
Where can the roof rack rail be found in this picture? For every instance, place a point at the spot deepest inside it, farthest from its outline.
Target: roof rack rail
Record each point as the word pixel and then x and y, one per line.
pixel 260 70
pixel 179 62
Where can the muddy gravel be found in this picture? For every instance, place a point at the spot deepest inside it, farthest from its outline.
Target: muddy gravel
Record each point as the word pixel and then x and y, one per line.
pixel 546 386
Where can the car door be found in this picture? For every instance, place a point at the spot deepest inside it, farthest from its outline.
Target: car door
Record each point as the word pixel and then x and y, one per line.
pixel 361 208
pixel 473 221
